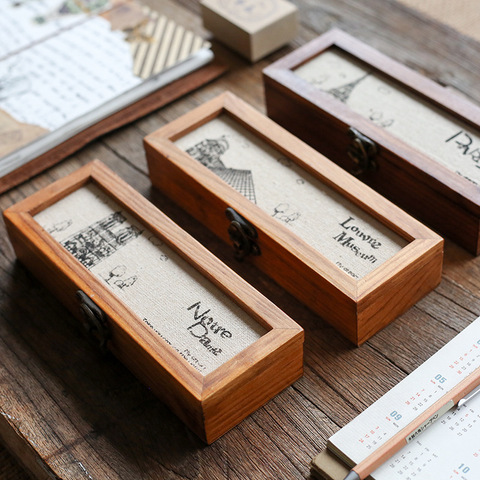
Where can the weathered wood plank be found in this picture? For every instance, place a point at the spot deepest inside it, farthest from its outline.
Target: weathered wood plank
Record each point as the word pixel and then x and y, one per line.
pixel 69 413
pixel 398 31
pixel 462 15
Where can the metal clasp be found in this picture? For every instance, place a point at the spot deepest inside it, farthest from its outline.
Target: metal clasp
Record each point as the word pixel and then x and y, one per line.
pixel 93 320
pixel 362 151
pixel 242 234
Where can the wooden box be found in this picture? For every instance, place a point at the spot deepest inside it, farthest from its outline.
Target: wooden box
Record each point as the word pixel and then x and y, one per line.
pixel 252 28
pixel 406 136
pixel 349 254
pixel 200 337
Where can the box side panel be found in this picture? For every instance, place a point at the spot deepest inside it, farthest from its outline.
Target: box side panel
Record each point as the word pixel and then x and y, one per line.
pixel 445 216
pixel 274 36
pixel 227 32
pixel 283 266
pixel 299 117
pixel 226 408
pixel 63 284
pixel 407 188
pixel 396 295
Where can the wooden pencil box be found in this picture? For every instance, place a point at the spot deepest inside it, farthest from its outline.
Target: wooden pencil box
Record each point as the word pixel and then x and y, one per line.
pixel 409 138
pixel 200 337
pixel 342 249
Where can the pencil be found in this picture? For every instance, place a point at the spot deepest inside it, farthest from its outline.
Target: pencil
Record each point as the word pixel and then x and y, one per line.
pixel 467 387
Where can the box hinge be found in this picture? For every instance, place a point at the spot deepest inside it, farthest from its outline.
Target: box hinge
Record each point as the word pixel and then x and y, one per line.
pixel 362 151
pixel 242 234
pixel 93 320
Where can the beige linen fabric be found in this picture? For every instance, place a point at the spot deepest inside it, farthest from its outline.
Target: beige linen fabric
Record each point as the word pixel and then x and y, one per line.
pixel 171 297
pixel 402 113
pixel 343 233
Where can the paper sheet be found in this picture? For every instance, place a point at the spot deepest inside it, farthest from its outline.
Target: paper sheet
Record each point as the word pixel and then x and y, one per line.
pixel 14 134
pixel 62 78
pixel 25 22
pixel 450 448
pixel 74 70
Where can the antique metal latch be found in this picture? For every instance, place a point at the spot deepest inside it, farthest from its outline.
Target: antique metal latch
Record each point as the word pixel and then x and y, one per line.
pixel 93 320
pixel 242 234
pixel 362 151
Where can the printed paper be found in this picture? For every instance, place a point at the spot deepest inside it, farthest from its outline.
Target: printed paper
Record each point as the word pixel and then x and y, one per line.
pixel 448 449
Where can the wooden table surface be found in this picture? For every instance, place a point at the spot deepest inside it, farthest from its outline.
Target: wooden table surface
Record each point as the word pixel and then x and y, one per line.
pixel 67 412
pixel 463 15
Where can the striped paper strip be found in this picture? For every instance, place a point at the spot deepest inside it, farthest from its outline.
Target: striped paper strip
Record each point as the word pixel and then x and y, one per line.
pixel 160 44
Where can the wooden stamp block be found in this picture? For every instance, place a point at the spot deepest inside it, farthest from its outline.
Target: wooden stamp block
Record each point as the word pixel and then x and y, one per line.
pixel 199 336
pixel 349 254
pixel 406 136
pixel 252 28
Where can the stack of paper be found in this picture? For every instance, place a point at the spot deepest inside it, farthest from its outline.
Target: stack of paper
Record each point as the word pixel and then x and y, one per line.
pixel 66 66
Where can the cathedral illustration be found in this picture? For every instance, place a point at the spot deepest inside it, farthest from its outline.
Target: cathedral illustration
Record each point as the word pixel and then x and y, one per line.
pixel 98 241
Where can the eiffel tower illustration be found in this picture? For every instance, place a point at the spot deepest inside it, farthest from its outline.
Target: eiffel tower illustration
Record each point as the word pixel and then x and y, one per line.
pixel 343 92
pixel 209 151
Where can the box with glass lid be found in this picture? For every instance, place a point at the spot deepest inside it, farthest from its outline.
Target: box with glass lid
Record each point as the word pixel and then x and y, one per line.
pixel 406 136
pixel 206 342
pixel 350 255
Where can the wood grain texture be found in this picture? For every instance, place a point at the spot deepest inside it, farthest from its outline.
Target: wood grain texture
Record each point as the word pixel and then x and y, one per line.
pixel 9 468
pixel 462 15
pixel 67 412
pixel 209 404
pixel 421 185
